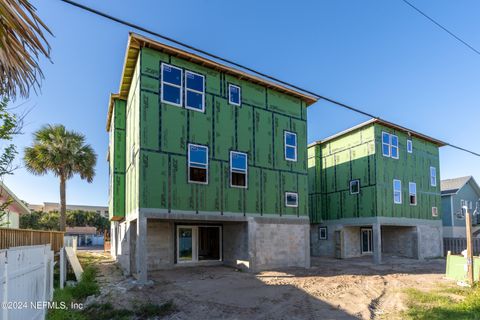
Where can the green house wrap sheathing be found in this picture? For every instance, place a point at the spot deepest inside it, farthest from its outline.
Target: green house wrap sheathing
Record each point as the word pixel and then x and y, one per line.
pixel 157 136
pixel 357 154
pixel 456 267
pixel 117 161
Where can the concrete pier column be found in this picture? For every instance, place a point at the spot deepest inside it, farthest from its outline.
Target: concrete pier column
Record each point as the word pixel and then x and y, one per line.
pixel 377 243
pixel 419 244
pixel 141 250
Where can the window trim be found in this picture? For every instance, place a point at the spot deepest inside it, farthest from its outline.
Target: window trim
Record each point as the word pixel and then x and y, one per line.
pixel 239 95
pixel 436 212
pixel 409 146
pixel 171 84
pixel 352 181
pixel 320 233
pixel 285 145
pixel 400 191
pixel 410 193
pixel 289 205
pixel 388 144
pixel 239 171
pixel 195 91
pixel 431 176
pixel 189 166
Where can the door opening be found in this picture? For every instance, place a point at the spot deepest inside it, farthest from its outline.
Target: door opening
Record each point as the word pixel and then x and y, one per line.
pixel 367 240
pixel 199 243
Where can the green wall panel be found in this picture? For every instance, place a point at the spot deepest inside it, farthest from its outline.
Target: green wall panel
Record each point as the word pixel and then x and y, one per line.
pixel 271 195
pixel 284 104
pixel 154 177
pixel 245 129
pixel 253 203
pixel 233 198
pixel 151 61
pixel 174 129
pixel 209 196
pixel 150 121
pixel 212 77
pixel 263 138
pixel 280 125
pixel 224 129
pixel 182 192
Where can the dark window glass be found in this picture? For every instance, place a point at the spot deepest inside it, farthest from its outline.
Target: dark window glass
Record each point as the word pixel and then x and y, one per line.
pixel 171 94
pixel 194 100
pixel 172 75
pixel 198 174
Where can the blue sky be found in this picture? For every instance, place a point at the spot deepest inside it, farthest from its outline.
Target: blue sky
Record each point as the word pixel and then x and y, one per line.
pixel 380 56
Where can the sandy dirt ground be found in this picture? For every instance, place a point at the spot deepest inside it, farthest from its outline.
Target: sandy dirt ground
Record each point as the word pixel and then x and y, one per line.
pixel 330 289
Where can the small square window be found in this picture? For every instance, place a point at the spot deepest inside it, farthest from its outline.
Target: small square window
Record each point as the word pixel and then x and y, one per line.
pixel 197 164
pixel 234 95
pixel 355 186
pixel 238 169
pixel 434 212
pixel 291 199
pixel 409 146
pixel 322 233
pixel 290 146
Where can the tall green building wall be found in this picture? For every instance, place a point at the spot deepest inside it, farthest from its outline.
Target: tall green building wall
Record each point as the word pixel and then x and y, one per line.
pixel 332 166
pixel 132 157
pixel 358 155
pixel 410 167
pixel 117 161
pixel 256 127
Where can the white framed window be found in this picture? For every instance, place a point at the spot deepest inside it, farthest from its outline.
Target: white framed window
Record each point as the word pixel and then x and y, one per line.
pixel 290 146
pixel 197 164
pixel 397 191
pixel 234 95
pixel 412 193
pixel 409 146
pixel 238 169
pixel 194 91
pixel 355 186
pixel 390 145
pixel 385 144
pixel 394 146
pixel 434 212
pixel 291 199
pixel 172 83
pixel 433 176
pixel 322 233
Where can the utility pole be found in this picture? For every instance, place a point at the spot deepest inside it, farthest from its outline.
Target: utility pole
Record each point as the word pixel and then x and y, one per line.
pixel 468 225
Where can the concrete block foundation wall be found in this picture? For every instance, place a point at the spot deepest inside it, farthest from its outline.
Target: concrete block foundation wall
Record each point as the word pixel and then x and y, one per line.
pixel 255 244
pixel 412 238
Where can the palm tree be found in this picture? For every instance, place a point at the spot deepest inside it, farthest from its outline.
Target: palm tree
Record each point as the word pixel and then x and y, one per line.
pixel 22 41
pixel 63 152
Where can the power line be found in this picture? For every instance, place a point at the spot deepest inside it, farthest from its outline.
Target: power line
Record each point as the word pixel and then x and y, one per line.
pixel 442 27
pixel 335 102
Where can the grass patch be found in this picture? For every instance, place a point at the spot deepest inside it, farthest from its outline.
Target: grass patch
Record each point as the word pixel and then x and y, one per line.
pixel 440 304
pixel 87 286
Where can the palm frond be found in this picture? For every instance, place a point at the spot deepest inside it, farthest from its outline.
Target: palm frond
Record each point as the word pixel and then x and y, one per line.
pixel 22 42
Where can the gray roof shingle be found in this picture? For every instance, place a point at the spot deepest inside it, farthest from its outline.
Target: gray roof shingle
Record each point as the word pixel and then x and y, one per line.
pixel 449 186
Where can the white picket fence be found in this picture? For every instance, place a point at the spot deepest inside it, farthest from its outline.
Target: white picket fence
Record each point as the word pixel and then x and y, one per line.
pixel 26 277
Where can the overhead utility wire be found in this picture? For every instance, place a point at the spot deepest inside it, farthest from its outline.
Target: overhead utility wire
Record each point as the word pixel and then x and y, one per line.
pixel 135 26
pixel 442 27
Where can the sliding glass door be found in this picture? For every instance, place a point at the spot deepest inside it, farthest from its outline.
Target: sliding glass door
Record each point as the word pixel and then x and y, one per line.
pixel 199 243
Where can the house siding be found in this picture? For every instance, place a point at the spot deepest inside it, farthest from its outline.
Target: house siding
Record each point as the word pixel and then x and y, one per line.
pixel 256 128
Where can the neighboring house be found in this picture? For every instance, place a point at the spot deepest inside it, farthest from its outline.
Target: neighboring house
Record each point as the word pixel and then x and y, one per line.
pixel 456 193
pixel 55 206
pixel 375 189
pixel 11 218
pixel 86 236
pixel 207 163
